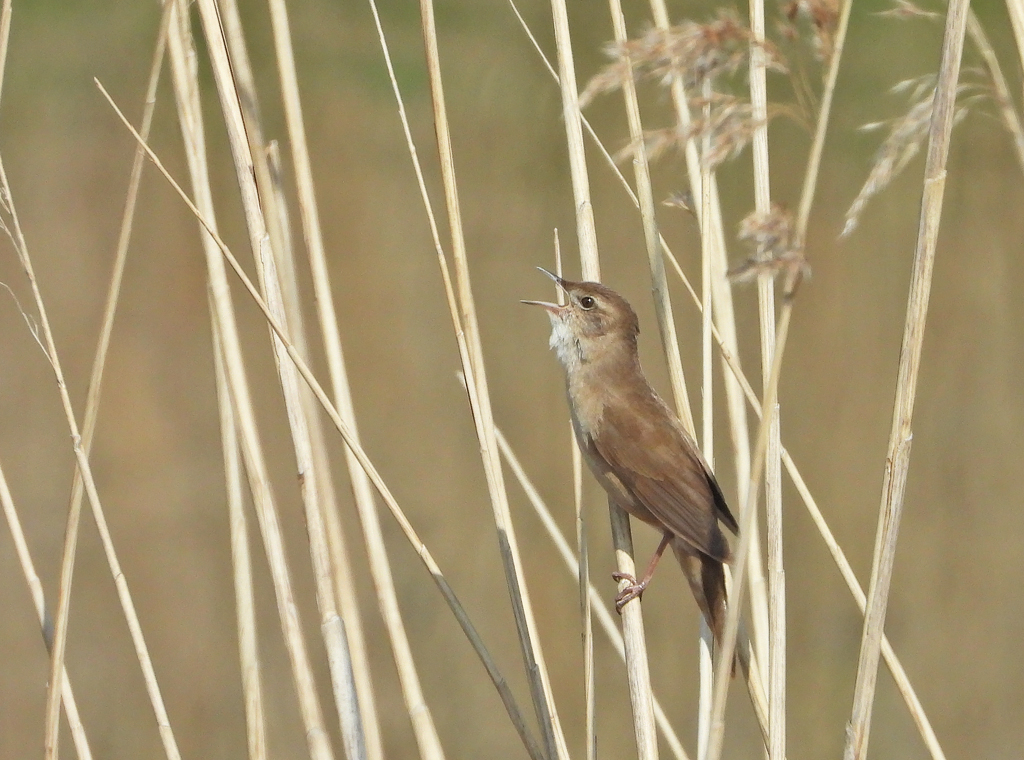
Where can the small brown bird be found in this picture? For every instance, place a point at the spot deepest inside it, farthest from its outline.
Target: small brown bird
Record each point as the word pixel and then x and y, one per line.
pixel 635 445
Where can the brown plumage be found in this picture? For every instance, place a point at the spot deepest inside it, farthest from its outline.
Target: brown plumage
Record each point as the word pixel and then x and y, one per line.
pixel 635 445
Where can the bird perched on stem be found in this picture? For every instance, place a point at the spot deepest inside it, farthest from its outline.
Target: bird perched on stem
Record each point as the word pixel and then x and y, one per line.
pixel 635 445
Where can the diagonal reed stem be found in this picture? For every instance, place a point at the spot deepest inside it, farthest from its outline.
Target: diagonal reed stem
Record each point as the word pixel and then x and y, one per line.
pixel 898 457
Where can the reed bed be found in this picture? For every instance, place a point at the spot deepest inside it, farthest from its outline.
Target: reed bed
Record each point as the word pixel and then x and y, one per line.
pixel 697 90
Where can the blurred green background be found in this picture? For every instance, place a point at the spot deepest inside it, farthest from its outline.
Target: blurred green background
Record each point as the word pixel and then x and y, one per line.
pixel 955 614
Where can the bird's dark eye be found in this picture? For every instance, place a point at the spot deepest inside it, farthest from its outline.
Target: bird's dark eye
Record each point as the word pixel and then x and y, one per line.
pixel 587 302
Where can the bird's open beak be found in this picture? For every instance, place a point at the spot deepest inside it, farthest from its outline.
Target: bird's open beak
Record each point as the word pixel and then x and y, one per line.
pixel 558 280
pixel 552 308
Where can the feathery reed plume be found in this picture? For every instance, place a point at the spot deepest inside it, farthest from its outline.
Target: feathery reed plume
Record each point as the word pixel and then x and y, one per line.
pixel 728 124
pixel 696 54
pixel 820 17
pixel 695 51
pixel 906 134
pixel 775 247
pixel 904 9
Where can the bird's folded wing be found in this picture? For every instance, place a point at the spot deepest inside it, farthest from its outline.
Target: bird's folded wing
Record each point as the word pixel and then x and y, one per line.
pixel 662 468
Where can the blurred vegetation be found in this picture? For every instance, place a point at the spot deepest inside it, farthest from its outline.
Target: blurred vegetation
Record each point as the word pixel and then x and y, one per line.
pixel 954 615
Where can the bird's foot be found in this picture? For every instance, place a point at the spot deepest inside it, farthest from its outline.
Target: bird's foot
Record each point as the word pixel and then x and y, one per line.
pixel 633 591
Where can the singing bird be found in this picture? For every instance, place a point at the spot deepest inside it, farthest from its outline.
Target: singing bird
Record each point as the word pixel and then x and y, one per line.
pixel 635 445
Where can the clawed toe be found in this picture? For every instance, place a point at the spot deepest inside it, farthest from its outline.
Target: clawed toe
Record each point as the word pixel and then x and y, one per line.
pixel 633 591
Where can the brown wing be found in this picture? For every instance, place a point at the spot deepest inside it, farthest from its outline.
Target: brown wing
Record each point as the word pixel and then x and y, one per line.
pixel 647 449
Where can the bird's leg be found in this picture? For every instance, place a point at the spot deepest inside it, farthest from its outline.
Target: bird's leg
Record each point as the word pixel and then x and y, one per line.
pixel 634 589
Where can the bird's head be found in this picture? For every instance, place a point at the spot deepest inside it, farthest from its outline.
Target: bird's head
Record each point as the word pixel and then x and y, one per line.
pixel 595 322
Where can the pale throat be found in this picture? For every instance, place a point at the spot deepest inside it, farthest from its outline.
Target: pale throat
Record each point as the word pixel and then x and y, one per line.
pixel 565 345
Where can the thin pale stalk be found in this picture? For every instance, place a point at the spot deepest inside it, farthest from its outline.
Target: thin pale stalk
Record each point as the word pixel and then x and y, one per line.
pixel 586 230
pixel 35 588
pixel 773 466
pixel 586 604
pixel 185 79
pixel 813 168
pixel 352 442
pixel 901 435
pixel 245 84
pixel 241 562
pixel 185 70
pixel 1002 91
pixel 638 675
pixel 121 255
pixel 652 240
pixel 341 566
pixel 5 37
pixel 332 626
pixel 707 413
pixel 526 626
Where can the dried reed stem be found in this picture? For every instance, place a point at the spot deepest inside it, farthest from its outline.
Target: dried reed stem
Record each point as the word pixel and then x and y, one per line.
pixel 92 401
pixel 773 466
pixel 241 561
pixel 644 723
pixel 898 457
pixel 652 240
pixel 813 169
pixel 707 244
pixel 728 647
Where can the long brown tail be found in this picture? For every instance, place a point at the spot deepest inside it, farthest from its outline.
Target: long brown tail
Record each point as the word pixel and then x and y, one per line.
pixel 707 582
